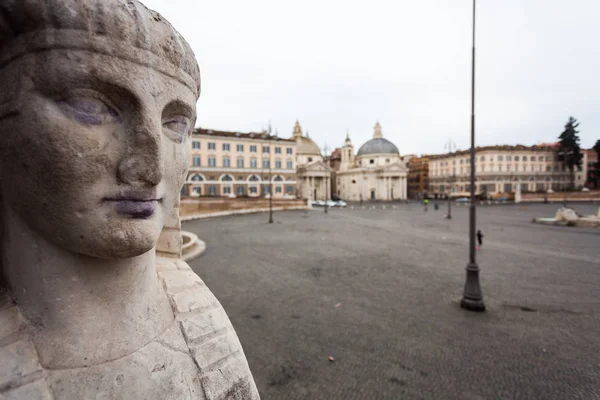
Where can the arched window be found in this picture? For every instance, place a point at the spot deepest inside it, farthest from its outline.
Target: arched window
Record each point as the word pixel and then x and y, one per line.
pixel 227 178
pixel 278 178
pixel 254 178
pixel 197 178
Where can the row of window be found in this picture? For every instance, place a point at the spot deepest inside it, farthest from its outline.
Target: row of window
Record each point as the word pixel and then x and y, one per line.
pixel 212 162
pixel 241 190
pixel 504 187
pixel 500 158
pixel 240 147
pixel 229 178
pixel 500 168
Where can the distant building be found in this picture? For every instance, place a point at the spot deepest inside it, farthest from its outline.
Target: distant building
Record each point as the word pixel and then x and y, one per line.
pixel 593 178
pixel 334 161
pixel 314 175
pixel 237 164
pixel 418 177
pixel 502 170
pixel 375 173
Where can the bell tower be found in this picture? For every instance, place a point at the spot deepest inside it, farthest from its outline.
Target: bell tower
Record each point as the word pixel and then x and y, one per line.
pixel 347 154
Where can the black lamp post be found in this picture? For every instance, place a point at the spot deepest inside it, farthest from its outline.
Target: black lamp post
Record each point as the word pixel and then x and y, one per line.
pixel 270 179
pixel 450 181
pixel 472 299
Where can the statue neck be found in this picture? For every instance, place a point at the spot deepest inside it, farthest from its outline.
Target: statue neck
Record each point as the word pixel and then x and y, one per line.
pixel 81 310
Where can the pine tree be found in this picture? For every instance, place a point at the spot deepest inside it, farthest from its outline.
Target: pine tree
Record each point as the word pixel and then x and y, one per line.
pixel 569 152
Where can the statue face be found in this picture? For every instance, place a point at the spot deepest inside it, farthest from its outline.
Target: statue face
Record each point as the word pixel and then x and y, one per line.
pixel 95 152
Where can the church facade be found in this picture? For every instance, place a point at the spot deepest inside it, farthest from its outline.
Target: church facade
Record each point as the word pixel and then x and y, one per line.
pixel 313 174
pixel 376 172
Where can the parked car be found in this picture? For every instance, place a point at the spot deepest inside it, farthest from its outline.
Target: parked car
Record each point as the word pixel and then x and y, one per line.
pixel 319 203
pixel 330 203
pixel 502 198
pixel 462 200
pixel 340 203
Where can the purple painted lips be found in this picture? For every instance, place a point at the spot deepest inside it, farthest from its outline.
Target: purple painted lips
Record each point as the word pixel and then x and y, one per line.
pixel 139 205
pixel 136 208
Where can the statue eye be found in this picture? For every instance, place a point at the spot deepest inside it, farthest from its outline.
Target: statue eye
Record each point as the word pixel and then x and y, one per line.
pixel 180 125
pixel 88 111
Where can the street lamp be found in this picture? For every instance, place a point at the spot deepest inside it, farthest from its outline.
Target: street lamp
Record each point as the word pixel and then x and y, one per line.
pixel 269 141
pixel 451 180
pixel 270 177
pixel 472 299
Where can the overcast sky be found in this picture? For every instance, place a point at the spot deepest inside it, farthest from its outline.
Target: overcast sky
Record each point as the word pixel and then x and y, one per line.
pixel 338 65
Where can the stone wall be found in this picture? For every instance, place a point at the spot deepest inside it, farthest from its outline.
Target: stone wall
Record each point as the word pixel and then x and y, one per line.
pixel 197 206
pixel 561 196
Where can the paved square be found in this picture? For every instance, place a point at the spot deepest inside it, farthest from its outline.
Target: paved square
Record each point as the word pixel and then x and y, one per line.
pixel 379 291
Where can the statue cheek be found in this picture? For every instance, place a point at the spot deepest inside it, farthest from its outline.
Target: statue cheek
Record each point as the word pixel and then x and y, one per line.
pixel 177 164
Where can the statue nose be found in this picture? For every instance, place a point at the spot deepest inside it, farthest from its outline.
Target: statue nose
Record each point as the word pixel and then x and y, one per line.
pixel 143 162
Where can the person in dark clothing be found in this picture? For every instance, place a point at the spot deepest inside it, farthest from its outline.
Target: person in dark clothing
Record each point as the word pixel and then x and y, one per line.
pixel 479 239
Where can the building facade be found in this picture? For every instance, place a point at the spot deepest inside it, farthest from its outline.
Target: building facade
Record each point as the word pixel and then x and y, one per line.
pixel 501 170
pixel 418 177
pixel 314 175
pixel 235 164
pixel 376 172
pixel 593 176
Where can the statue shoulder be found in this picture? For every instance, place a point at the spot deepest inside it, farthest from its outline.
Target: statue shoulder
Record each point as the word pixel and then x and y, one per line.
pixel 207 330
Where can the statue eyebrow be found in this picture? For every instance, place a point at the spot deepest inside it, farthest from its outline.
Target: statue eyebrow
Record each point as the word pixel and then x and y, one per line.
pixel 180 106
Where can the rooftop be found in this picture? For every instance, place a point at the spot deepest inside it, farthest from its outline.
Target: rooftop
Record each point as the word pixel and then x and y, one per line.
pixel 518 147
pixel 249 135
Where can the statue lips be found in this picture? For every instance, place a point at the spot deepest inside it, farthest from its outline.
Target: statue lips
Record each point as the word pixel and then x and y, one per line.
pixel 138 204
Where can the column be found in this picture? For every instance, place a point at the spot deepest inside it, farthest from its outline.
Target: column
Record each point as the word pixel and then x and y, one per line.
pixel 402 190
pixel 404 197
pixel 304 191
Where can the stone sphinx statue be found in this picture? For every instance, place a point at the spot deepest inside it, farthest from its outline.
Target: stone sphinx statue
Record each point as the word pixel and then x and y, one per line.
pixel 97 102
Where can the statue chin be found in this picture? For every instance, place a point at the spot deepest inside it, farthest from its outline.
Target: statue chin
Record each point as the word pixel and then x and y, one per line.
pixel 109 240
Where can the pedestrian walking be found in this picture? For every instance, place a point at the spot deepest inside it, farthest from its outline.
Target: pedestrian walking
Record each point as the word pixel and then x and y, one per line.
pixel 426 202
pixel 479 239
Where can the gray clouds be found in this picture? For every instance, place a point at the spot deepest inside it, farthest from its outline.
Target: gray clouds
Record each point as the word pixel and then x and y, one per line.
pixel 343 64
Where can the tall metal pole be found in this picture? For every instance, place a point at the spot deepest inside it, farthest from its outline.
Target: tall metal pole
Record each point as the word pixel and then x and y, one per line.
pixel 270 183
pixel 449 215
pixel 472 298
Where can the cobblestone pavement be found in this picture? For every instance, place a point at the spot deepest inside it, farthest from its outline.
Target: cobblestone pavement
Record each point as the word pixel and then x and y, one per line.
pixel 379 291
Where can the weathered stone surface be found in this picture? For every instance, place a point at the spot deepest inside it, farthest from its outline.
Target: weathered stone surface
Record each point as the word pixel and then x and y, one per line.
pixel 158 371
pixel 229 381
pixel 169 242
pixel 204 325
pixel 10 322
pixel 18 360
pixel 177 281
pixel 37 390
pixel 194 299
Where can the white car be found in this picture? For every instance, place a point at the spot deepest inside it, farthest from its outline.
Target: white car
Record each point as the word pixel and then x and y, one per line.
pixel 330 203
pixel 340 203
pixel 319 203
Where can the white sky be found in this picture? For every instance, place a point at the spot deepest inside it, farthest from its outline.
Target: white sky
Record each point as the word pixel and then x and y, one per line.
pixel 345 64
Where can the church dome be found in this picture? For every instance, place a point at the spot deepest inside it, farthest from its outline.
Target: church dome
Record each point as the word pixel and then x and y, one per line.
pixel 378 146
pixel 306 145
